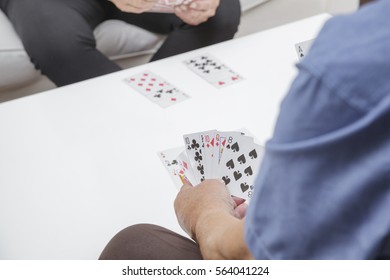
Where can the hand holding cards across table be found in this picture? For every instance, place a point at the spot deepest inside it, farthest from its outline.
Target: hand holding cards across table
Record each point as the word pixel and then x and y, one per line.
pixel 168 6
pixel 230 156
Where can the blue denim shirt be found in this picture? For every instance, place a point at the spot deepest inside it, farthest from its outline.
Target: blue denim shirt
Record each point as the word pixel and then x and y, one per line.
pixel 323 190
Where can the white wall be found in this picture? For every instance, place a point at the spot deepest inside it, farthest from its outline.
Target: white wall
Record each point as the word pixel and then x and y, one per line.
pixel 277 12
pixel 342 6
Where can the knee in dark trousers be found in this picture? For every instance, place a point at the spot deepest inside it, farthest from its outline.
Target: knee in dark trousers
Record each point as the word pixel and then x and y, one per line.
pixel 58 37
pixel 225 23
pixel 150 242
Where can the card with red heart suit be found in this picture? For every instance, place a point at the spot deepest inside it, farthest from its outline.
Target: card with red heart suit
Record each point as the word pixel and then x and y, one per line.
pixel 156 89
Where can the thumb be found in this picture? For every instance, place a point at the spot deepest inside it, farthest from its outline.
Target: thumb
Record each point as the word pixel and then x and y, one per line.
pixel 240 211
pixel 186 183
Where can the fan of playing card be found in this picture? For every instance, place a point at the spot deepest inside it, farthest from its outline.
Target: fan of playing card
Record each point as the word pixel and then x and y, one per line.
pixel 167 6
pixel 231 156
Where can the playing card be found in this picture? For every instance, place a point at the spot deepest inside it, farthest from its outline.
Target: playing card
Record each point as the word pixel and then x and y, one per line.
pixel 213 71
pixel 239 166
pixel 209 151
pixel 170 160
pixel 177 164
pixel 167 6
pixel 156 89
pixel 194 148
pixel 303 48
pixel 226 138
pixel 185 171
pixel 167 96
pixel 230 155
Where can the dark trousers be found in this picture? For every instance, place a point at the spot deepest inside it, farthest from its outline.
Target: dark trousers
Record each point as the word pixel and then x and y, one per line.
pixel 150 242
pixel 58 34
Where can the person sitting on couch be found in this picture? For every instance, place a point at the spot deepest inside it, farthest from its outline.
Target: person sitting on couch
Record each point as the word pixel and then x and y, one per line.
pixel 58 35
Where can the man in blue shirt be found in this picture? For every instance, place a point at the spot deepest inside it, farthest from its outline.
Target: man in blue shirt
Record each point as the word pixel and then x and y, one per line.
pixel 323 191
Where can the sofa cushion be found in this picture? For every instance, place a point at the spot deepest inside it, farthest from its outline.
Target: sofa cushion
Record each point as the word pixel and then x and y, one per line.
pixel 117 39
pixel 16 69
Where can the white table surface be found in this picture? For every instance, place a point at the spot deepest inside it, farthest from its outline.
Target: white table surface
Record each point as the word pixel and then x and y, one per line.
pixel 79 163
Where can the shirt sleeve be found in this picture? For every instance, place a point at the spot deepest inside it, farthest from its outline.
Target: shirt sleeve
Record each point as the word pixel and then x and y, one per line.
pixel 317 196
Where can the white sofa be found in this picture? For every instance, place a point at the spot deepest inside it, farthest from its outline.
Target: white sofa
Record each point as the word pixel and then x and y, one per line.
pixel 117 40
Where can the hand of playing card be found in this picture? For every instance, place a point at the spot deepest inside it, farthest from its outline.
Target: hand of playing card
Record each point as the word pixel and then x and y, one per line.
pixel 229 156
pixel 197 12
pixel 134 6
pixel 167 6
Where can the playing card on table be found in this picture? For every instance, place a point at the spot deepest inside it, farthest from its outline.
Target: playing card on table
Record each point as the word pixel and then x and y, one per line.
pixel 303 48
pixel 156 89
pixel 236 163
pixel 213 71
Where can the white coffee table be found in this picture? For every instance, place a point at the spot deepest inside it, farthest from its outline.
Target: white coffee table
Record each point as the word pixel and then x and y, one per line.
pixel 79 163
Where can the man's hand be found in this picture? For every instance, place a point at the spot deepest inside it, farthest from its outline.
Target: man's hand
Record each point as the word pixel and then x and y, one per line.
pixel 197 12
pixel 192 203
pixel 213 218
pixel 134 6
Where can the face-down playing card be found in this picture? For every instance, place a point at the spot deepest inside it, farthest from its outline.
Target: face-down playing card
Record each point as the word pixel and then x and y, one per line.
pixel 213 70
pixel 156 89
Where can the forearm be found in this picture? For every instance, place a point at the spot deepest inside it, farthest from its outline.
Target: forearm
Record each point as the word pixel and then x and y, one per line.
pixel 221 236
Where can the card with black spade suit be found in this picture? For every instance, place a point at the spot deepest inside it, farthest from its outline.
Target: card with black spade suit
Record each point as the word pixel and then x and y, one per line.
pixel 228 155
